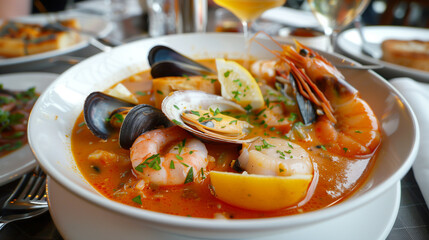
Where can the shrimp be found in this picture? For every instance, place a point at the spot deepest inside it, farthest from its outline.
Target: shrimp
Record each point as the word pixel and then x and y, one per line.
pixel 275 157
pixel 347 125
pixel 169 156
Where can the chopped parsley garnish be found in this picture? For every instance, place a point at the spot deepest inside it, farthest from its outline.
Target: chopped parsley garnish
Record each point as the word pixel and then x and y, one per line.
pixel 154 164
pixel 141 93
pixel 248 107
pixel 233 121
pixel 202 174
pixel 184 164
pixel 119 117
pixel 181 145
pixel 176 122
pixel 81 124
pixel 195 113
pixel 357 131
pixel 176 107
pixel 226 74
pixel 190 176
pixel 159 92
pixel 292 117
pixel 236 95
pixel 345 150
pixel 138 200
pixel 179 157
pixel 172 165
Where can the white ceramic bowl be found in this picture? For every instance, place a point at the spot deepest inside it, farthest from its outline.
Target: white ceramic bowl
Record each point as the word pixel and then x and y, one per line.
pixel 54 114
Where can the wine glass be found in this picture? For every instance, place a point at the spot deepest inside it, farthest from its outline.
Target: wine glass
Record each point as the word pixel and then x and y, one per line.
pixel 334 15
pixel 248 11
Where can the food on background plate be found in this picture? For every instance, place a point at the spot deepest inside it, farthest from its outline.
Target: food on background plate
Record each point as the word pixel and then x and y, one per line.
pixel 22 39
pixel 15 107
pixel 408 53
pixel 304 141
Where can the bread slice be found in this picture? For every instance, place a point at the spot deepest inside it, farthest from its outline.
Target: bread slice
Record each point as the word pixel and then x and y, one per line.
pixel 20 39
pixel 409 53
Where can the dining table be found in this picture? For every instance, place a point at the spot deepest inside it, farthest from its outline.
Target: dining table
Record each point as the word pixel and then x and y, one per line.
pixel 412 220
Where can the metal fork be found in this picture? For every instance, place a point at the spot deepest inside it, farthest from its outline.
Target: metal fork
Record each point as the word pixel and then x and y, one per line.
pixel 103 44
pixel 370 49
pixel 27 200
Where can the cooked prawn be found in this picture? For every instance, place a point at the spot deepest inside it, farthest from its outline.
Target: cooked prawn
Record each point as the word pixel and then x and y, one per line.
pixel 275 157
pixel 348 126
pixel 169 156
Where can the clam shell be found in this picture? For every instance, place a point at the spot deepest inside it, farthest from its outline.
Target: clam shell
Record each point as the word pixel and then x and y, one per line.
pixel 179 101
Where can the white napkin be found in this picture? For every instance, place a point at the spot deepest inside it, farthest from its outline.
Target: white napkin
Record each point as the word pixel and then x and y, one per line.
pixel 291 17
pixel 417 95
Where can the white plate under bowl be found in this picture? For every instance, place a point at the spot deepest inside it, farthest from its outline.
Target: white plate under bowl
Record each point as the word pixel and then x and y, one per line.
pixel 62 204
pixel 90 23
pixel 22 160
pixel 56 111
pixel 350 43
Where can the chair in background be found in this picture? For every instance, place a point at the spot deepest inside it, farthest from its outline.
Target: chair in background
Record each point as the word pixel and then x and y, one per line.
pixel 406 7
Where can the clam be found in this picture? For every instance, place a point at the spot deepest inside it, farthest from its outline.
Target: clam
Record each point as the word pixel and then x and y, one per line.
pixel 203 115
pixel 165 62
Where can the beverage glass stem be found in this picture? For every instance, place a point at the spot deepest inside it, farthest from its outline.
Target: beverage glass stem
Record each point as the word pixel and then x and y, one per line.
pixel 246 31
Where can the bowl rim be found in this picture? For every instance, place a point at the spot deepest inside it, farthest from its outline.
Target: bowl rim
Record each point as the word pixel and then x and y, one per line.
pixel 157 219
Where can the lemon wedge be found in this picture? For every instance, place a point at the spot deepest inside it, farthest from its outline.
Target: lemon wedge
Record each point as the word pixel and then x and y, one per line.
pixel 238 85
pixel 259 192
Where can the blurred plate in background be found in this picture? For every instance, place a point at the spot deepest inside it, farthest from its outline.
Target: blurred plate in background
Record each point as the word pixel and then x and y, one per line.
pixel 22 160
pixel 350 43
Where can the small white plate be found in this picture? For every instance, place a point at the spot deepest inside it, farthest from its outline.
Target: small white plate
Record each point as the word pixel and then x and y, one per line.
pixel 350 43
pixel 87 22
pixel 353 225
pixel 22 160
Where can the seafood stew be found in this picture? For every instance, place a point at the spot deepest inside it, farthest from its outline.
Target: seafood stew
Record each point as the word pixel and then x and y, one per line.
pixel 251 152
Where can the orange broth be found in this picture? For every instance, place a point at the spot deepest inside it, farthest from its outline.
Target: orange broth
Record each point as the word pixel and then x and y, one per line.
pixel 338 177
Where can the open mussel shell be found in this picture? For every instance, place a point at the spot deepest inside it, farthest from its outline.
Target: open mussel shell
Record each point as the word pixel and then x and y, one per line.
pixel 97 108
pixel 180 101
pixel 167 62
pixel 306 108
pixel 161 53
pixel 140 119
pixel 170 68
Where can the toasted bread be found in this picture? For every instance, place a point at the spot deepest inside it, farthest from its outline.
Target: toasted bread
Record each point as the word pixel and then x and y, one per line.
pixel 20 39
pixel 409 53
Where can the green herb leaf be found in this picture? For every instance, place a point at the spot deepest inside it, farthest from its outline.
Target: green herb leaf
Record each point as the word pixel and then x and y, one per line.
pixel 190 176
pixel 172 165
pixel 176 122
pixel 138 200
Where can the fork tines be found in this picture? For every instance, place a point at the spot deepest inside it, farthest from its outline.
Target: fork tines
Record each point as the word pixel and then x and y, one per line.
pixel 31 190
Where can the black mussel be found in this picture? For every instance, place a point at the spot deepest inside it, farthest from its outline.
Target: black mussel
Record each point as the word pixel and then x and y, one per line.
pixel 140 119
pixel 162 53
pixel 178 69
pixel 98 108
pixel 306 108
